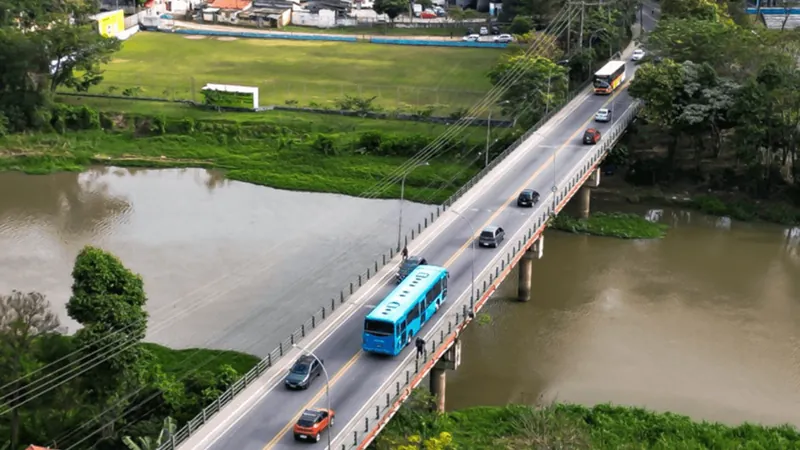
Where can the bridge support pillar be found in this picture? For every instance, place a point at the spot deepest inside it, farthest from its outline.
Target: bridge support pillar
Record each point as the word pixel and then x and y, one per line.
pixel 526 269
pixel 585 194
pixel 438 375
pixel 585 201
pixel 438 387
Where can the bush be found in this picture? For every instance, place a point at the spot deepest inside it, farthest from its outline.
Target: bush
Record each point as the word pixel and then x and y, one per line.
pixel 521 25
pixel 324 144
pixel 4 125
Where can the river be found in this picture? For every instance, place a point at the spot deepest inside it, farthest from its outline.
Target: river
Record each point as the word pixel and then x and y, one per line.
pixel 703 322
pixel 225 264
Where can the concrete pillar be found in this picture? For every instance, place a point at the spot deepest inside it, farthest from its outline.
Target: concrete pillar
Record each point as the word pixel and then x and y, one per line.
pixel 584 199
pixel 525 274
pixel 438 385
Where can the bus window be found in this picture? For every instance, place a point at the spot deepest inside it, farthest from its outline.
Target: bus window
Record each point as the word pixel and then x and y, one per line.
pixel 378 327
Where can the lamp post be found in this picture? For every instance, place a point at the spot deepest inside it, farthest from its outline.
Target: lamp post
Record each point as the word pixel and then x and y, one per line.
pixel 489 132
pixel 472 265
pixel 402 197
pixel 327 385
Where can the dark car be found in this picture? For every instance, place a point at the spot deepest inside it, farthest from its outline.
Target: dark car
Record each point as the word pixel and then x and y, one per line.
pixel 303 372
pixel 591 136
pixel 491 236
pixel 528 197
pixel 408 266
pixel 312 423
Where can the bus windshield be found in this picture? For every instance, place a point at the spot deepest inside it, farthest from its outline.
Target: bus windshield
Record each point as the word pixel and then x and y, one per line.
pixel 609 77
pixel 379 327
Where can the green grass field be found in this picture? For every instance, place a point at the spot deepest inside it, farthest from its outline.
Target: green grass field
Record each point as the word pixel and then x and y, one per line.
pixel 306 72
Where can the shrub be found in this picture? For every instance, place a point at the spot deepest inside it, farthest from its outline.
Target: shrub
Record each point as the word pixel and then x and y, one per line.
pixel 521 25
pixel 324 144
pixel 4 125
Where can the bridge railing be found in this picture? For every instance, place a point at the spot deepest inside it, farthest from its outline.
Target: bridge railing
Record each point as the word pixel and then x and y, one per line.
pixel 377 412
pixel 334 304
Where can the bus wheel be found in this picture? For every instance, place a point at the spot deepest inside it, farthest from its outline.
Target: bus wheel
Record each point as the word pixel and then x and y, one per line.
pixel 408 340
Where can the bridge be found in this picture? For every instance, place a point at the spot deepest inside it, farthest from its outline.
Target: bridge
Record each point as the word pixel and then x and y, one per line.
pixel 258 412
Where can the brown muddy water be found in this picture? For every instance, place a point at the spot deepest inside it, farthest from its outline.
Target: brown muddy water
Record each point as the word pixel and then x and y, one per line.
pixel 225 264
pixel 705 322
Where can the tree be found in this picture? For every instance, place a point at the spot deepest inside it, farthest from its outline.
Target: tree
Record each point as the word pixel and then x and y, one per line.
pixel 35 33
pixel 147 443
pixel 726 47
pixel 521 25
pixel 24 318
pixel 77 51
pixel 693 9
pixel 537 86
pixel 108 300
pixel 391 8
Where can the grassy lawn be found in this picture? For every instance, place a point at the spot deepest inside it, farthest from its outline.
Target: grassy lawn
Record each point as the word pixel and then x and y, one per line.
pixel 180 362
pixel 176 67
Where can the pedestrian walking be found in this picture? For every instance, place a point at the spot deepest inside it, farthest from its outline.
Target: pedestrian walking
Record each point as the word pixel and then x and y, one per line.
pixel 405 252
pixel 420 343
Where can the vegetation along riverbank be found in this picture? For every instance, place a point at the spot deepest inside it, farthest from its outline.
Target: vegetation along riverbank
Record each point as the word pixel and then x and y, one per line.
pixel 719 128
pixel 603 427
pixel 619 225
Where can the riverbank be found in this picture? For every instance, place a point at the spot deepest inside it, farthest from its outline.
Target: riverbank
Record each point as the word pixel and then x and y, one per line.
pixel 716 203
pixel 619 225
pixel 577 427
pixel 293 151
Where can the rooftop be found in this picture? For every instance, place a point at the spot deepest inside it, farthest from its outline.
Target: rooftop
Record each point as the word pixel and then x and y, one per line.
pixel 230 4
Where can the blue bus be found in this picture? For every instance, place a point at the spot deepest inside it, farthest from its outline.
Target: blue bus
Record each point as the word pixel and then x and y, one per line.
pixel 390 326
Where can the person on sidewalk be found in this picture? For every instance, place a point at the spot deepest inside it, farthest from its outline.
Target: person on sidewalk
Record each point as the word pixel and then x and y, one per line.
pixel 420 343
pixel 405 253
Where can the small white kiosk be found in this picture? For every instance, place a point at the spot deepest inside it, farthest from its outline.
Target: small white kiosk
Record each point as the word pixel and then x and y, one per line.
pixel 231 95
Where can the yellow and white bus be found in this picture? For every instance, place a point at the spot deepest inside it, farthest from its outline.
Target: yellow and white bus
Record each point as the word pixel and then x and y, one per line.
pixel 609 77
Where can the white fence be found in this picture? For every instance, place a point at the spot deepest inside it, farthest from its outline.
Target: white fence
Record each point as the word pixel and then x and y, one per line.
pixel 132 20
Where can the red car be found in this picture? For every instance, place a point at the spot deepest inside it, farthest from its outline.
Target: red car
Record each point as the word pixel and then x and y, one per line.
pixel 591 136
pixel 312 423
pixel 427 15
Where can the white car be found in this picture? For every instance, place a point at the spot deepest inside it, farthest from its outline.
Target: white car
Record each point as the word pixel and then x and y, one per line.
pixel 503 38
pixel 471 38
pixel 603 115
pixel 484 31
pixel 638 54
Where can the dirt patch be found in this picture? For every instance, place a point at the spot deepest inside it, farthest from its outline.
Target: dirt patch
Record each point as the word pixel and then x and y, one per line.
pixel 227 38
pixel 118 60
pixel 194 36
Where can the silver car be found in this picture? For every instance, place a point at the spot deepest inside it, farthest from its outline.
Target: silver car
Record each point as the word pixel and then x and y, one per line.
pixel 491 236
pixel 603 115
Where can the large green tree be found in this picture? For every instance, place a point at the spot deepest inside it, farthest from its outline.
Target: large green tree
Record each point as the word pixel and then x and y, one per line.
pixel 538 85
pixel 108 300
pixel 44 45
pixel 24 318
pixel 391 8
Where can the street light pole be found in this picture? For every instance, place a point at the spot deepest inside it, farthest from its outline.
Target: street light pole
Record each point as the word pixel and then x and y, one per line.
pixel 327 386
pixel 488 137
pixel 402 197
pixel 472 265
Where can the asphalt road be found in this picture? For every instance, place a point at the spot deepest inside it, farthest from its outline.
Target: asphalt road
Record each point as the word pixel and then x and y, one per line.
pixel 355 376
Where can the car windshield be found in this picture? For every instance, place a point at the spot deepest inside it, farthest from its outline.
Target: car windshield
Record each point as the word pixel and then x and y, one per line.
pixel 300 368
pixel 409 265
pixel 307 419
pixel 487 234
pixel 525 194
pixel 602 112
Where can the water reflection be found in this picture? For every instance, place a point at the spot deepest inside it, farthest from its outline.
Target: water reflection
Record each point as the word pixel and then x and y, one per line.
pixel 703 322
pixel 225 264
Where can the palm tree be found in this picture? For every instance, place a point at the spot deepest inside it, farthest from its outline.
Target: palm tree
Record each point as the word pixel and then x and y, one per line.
pixel 147 443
